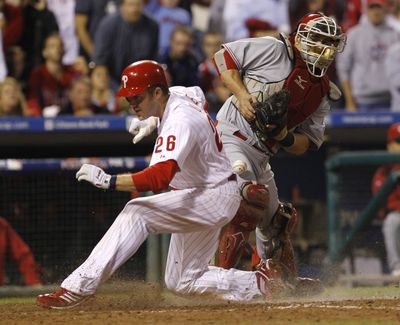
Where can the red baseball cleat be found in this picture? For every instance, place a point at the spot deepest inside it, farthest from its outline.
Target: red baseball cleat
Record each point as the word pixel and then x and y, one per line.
pixel 61 299
pixel 271 280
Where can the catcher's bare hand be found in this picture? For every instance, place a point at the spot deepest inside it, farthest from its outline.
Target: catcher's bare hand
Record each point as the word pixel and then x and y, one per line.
pixel 246 108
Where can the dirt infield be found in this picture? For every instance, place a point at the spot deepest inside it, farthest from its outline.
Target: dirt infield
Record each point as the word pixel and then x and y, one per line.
pixel 146 304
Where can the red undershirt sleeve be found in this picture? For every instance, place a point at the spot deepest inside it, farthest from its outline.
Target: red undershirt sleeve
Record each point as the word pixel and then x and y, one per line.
pixel 155 178
pixel 224 62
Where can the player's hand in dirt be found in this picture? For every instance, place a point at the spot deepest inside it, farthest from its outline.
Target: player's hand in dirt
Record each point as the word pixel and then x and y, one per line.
pixel 94 175
pixel 246 108
pixel 140 129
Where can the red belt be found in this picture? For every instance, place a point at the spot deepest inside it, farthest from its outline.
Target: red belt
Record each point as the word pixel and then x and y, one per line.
pixel 240 136
pixel 244 138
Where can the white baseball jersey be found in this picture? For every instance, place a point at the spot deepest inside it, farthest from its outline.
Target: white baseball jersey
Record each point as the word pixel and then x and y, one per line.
pixel 194 214
pixel 187 135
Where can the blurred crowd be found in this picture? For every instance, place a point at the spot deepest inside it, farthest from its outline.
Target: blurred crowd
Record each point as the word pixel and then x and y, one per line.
pixel 64 57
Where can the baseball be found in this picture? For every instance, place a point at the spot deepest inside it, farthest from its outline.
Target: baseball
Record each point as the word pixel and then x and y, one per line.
pixel 239 167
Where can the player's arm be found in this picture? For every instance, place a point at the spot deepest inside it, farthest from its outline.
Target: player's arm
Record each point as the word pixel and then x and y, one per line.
pixel 293 142
pixel 231 78
pixel 155 178
pixel 310 133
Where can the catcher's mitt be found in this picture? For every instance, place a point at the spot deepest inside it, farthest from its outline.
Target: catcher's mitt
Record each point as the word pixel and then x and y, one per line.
pixel 271 115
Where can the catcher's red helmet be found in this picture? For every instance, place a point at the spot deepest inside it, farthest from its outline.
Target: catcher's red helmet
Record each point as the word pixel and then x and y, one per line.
pixel 139 76
pixel 319 38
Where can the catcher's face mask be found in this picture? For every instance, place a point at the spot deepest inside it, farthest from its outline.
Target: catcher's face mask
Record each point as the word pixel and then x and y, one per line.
pixel 319 39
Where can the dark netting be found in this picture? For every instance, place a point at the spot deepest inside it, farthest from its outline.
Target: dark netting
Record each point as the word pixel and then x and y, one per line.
pixel 60 219
pixel 354 193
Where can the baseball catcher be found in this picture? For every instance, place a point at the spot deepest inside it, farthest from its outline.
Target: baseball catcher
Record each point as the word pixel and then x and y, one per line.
pixel 280 99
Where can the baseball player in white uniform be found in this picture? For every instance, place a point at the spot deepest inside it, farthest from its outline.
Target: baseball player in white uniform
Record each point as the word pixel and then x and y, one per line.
pixel 254 69
pixel 189 157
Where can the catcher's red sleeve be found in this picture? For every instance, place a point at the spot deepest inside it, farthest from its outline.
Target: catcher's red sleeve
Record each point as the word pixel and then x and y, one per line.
pixel 155 178
pixel 223 61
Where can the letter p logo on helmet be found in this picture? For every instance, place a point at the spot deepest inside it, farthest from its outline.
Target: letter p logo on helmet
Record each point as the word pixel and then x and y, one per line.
pixel 139 76
pixel 124 80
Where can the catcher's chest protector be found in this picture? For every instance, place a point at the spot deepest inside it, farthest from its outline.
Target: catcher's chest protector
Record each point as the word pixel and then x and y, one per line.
pixel 306 93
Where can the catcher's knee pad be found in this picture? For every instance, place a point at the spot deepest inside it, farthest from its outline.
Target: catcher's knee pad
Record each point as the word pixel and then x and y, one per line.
pixel 274 242
pixel 255 194
pixel 236 234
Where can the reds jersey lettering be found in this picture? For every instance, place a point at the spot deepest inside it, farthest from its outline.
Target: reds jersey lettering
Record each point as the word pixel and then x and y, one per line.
pixel 306 93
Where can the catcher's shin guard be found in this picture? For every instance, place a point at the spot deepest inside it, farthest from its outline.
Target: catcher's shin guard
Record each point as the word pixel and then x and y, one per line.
pixel 275 240
pixel 236 234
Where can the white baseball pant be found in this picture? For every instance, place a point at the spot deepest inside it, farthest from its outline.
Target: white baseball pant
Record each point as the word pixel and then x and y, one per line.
pixel 194 217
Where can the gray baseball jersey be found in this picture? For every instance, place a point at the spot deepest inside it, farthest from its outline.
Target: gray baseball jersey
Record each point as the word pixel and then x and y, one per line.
pixel 264 64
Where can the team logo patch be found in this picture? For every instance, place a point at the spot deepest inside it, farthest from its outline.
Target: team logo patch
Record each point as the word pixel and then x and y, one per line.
pixel 299 81
pixel 124 80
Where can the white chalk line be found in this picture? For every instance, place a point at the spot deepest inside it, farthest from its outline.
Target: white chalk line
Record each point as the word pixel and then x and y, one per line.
pixel 330 306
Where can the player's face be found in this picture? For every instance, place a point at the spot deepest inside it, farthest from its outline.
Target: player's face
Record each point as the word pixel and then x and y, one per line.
pixel 324 47
pixel 150 103
pixel 135 104
pixel 144 105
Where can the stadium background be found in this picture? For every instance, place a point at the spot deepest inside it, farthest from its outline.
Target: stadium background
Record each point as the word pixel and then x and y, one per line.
pixel 61 221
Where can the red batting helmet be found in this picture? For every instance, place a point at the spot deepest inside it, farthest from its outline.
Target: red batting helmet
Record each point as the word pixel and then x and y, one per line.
pixel 139 76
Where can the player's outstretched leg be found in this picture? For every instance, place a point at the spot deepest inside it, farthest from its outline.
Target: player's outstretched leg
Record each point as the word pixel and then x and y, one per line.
pixel 118 244
pixel 61 299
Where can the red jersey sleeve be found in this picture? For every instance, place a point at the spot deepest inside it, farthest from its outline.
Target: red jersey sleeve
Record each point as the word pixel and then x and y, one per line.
pixel 155 178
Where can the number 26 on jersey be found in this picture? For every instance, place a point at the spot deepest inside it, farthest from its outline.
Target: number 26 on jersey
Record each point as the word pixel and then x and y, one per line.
pixel 170 143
